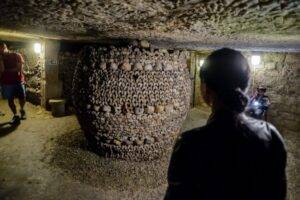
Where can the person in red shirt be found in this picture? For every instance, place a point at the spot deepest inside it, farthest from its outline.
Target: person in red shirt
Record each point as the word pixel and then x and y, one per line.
pixel 13 81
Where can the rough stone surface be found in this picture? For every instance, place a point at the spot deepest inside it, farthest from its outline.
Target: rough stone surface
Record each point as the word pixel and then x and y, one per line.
pixel 219 22
pixel 51 85
pixel 112 102
pixel 67 64
pixel 279 73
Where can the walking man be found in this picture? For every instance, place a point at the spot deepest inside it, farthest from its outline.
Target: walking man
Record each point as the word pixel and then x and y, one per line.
pixel 13 81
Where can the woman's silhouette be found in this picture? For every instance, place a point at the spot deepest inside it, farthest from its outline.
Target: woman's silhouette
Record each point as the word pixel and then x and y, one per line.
pixel 233 156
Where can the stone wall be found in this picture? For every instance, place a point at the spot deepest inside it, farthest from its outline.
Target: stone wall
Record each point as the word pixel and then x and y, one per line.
pixel 67 63
pixel 280 74
pixel 51 85
pixel 195 58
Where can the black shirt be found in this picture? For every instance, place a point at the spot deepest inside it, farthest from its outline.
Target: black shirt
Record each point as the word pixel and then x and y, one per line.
pixel 233 157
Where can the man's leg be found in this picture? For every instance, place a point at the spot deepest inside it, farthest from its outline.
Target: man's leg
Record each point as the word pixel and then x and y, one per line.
pixel 21 93
pixel 8 93
pixel 16 119
pixel 12 106
pixel 22 102
pixel 1 113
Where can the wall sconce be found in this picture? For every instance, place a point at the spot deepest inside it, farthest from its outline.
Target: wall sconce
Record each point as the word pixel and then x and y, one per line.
pixel 255 60
pixel 201 62
pixel 37 48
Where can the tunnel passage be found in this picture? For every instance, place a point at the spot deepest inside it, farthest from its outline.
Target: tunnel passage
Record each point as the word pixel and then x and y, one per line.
pixel 131 102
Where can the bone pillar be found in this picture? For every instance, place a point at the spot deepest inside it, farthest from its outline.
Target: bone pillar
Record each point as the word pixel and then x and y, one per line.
pixel 131 102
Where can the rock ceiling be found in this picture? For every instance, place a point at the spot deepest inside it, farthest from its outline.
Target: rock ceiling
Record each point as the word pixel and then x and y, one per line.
pixel 251 23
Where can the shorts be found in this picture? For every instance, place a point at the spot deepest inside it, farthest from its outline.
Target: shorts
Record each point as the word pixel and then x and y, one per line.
pixel 9 92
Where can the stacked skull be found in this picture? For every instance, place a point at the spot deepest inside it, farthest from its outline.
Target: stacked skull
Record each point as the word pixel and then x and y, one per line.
pixel 131 102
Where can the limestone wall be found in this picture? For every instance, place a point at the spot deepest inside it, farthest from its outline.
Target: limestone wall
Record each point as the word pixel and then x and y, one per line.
pixel 280 74
pixel 195 59
pixel 67 63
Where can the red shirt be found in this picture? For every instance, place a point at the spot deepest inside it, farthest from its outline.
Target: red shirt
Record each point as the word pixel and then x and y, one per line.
pixel 11 61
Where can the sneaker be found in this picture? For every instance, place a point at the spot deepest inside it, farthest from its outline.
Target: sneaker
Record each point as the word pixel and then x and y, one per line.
pixel 15 120
pixel 23 114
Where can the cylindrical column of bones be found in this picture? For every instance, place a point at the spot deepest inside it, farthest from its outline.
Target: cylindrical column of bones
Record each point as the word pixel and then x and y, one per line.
pixel 131 102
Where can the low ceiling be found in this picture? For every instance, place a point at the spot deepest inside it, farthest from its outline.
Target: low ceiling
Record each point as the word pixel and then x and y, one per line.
pixel 178 23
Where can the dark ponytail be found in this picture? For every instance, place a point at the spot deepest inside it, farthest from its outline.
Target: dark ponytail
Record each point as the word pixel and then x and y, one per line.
pixel 236 100
pixel 226 72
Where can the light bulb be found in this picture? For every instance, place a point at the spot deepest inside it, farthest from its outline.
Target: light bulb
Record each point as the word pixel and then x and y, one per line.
pixel 255 60
pixel 201 62
pixel 37 47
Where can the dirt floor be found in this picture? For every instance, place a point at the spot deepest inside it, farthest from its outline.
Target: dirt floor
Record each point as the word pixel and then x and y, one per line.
pixel 47 158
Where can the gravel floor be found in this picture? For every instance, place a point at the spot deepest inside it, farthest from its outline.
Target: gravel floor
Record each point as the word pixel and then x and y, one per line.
pixel 47 158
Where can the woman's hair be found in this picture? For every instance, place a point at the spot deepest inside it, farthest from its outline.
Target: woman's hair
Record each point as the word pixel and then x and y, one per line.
pixel 226 72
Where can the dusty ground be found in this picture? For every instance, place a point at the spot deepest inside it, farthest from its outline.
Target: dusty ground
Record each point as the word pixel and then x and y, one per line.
pixel 47 158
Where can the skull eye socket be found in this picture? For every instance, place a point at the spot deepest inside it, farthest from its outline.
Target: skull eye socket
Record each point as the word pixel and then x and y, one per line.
pixel 135 77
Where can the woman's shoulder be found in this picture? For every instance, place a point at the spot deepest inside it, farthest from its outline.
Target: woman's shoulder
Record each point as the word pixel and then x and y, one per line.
pixel 189 141
pixel 262 130
pixel 196 135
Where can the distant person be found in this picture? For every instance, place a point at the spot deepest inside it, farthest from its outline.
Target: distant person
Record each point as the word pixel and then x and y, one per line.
pixel 232 157
pixel 13 81
pixel 259 104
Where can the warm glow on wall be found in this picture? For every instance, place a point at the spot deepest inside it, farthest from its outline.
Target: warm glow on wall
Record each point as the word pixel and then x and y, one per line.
pixel 255 60
pixel 37 48
pixel 201 62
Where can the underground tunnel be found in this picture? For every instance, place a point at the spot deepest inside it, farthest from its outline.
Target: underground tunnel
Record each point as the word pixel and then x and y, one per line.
pixel 112 85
